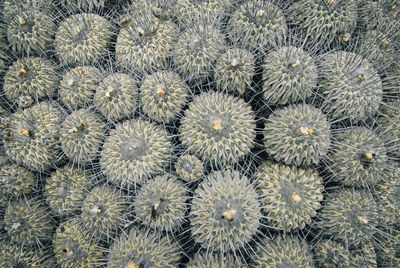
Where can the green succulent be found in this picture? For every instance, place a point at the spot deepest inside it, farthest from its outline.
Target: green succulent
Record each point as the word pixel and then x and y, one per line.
pixel 189 168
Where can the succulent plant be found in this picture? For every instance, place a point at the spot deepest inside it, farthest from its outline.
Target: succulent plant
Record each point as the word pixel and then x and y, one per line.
pixel 389 124
pixel 141 248
pixel 350 216
pixel 81 135
pixel 257 25
pixel 289 75
pixel 75 247
pixel 350 86
pixel 66 189
pixel 205 259
pixel 387 254
pixel 225 212
pixel 83 39
pixel 363 256
pixel 11 8
pixel 283 251
pixel 189 168
pixel 116 96
pixel 134 151
pixel 30 79
pixel 331 254
pixel 289 196
pixel 16 181
pixel 161 204
pixel 297 134
pixel 234 70
pixel 358 157
pixel 163 95
pixel 382 15
pixel 15 255
pixel 31 136
pixel 78 86
pixel 218 128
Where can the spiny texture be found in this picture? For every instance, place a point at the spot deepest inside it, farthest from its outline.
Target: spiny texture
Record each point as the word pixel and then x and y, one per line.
pixel 30 32
pixel 161 203
pixel 389 125
pixel 116 96
pixel 28 222
pixel 324 20
pixel 289 75
pixel 388 253
pixel 16 181
pixel 218 128
pixel 78 86
pixel 350 216
pixel 134 151
pixel 189 168
pixel 382 15
pixel 350 86
pixel 15 255
pixel 257 25
pixel 31 136
pixel 225 211
pixel 84 5
pixel 290 196
pixel 283 251
pixel 145 43
pixel 66 189
pixel 234 70
pixel 163 94
pixel 104 211
pixel 76 247
pixel 83 39
pixel 331 254
pixel 204 259
pixel 363 256
pixel 81 135
pixel 141 248
pixel 358 157
pixel 30 79
pixel 197 50
pixel 11 8
pixel 297 134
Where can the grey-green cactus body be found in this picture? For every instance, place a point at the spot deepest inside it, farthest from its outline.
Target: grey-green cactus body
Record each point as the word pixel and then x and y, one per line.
pixel 205 259
pixel 66 189
pixel 218 128
pixel 163 94
pixel 81 135
pixel 331 254
pixel 290 196
pixel 189 168
pixel 225 212
pixel 16 181
pixel 297 134
pixel 134 151
pixel 83 39
pixel 289 75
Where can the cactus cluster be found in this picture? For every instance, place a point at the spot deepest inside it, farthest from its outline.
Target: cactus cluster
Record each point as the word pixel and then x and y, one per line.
pixel 199 133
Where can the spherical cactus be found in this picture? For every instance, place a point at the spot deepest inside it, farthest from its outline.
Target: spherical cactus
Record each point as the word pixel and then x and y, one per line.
pixel 257 24
pixel 289 75
pixel 358 157
pixel 163 95
pixel 66 189
pixel 31 136
pixel 225 212
pixel 234 70
pixel 16 255
pixel 81 135
pixel 143 248
pixel 11 8
pixel 331 254
pixel 31 32
pixel 16 181
pixel 189 168
pixel 289 196
pixel 30 79
pixel 388 252
pixel 206 259
pixel 389 124
pixel 297 134
pixel 78 86
pixel 363 256
pixel 218 128
pixel 28 222
pixel 134 151
pixel 161 204
pixel 350 86
pixel 104 211
pixel 145 43
pixel 283 251
pixel 75 247
pixel 83 5
pixel 197 50
pixel 324 21
pixel 382 15
pixel 83 39
pixel 116 96
pixel 350 216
